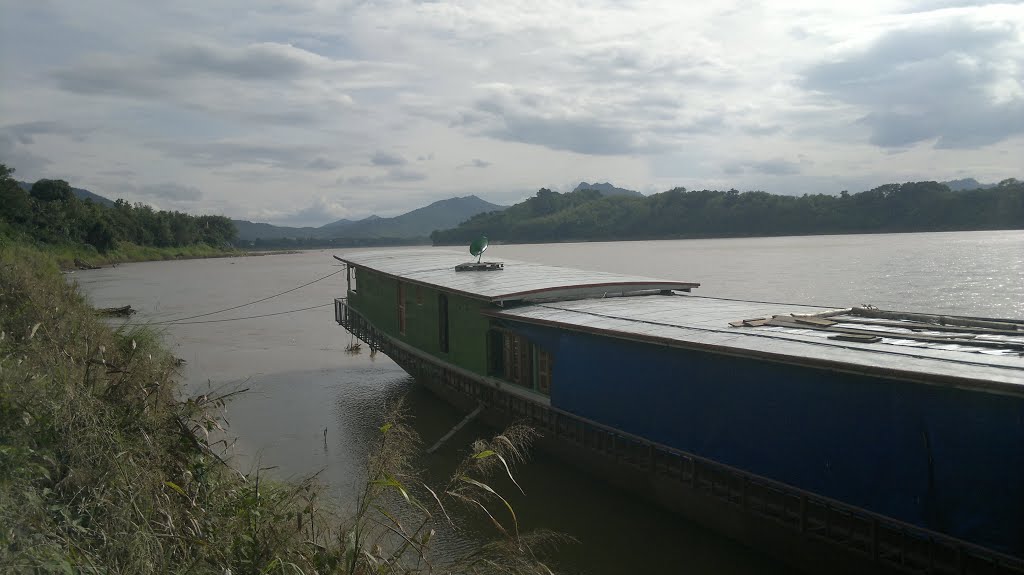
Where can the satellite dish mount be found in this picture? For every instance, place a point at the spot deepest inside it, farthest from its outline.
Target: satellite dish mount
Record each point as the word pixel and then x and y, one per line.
pixel 477 248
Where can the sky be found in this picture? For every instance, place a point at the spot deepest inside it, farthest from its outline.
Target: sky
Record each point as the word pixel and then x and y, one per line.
pixel 301 112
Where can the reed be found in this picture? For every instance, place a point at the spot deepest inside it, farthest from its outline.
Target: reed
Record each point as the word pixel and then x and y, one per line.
pixel 105 469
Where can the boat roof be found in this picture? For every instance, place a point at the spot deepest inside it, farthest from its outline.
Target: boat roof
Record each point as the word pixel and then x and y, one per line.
pixel 982 354
pixel 518 281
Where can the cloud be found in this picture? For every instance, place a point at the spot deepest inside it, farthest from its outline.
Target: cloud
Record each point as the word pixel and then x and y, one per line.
pixel 264 82
pixel 393 101
pixel 227 153
pixel 17 156
pixel 583 135
pixel 393 175
pixel 775 167
pixel 171 191
pixel 476 163
pixel 18 140
pixel 321 210
pixel 380 158
pixel 952 82
pixel 26 132
pixel 402 175
pixel 323 164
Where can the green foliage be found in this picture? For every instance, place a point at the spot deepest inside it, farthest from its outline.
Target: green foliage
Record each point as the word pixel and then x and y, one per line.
pixel 104 470
pixel 15 206
pixel 399 516
pixel 50 214
pixel 51 191
pixel 678 213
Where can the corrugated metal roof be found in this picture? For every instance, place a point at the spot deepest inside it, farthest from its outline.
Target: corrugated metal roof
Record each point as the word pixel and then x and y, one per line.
pixel 703 323
pixel 520 281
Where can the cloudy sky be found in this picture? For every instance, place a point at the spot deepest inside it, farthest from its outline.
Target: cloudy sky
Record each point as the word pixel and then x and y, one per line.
pixel 306 111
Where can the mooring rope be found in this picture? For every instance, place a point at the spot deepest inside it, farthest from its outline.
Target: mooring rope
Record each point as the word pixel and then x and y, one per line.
pixel 182 319
pixel 252 316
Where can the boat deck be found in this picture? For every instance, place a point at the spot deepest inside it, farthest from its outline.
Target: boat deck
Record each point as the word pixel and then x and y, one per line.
pixel 984 353
pixel 946 350
pixel 511 281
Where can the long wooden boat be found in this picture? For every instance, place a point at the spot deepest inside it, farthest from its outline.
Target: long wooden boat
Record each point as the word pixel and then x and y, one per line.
pixel 844 440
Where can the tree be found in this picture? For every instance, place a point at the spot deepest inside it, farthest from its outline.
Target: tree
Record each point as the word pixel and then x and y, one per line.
pixel 51 191
pixel 101 237
pixel 15 206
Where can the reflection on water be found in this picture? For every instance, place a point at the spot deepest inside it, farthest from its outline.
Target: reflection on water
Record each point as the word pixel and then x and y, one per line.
pixel 301 382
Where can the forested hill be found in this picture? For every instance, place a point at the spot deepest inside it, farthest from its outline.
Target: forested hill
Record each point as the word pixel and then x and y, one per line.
pixel 50 212
pixel 586 215
pixel 414 225
pixel 79 193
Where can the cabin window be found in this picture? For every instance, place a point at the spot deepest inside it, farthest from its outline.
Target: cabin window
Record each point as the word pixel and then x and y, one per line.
pixel 543 372
pixel 517 360
pixel 401 308
pixel 350 274
pixel 442 322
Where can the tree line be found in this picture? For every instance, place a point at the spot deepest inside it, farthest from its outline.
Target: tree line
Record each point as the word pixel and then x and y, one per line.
pixel 50 213
pixel 678 213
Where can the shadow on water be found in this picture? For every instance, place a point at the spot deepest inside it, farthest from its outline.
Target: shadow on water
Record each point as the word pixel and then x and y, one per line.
pixel 286 414
pixel 614 532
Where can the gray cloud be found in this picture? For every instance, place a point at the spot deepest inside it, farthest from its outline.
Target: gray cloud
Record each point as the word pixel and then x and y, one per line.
pixel 476 163
pixel 523 122
pixel 257 62
pixel 323 164
pixel 266 83
pixel 930 83
pixel 403 175
pixel 17 140
pixel 380 158
pixel 320 211
pixel 25 132
pixel 160 74
pixel 393 175
pixel 118 173
pixel 14 154
pixel 220 154
pixel 775 167
pixel 171 191
pixel 582 136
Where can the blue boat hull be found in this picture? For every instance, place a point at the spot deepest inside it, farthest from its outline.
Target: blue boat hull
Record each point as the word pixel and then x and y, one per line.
pixel 942 458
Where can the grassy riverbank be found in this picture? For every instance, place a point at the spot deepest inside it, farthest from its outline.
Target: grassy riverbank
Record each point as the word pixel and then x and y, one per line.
pixel 104 469
pixel 65 254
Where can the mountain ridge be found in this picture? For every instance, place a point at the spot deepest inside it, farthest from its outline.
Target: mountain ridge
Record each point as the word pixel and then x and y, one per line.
pixel 418 223
pixel 607 189
pixel 79 193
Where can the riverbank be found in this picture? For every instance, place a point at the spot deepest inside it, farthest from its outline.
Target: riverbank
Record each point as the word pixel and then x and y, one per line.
pixel 69 257
pixel 105 469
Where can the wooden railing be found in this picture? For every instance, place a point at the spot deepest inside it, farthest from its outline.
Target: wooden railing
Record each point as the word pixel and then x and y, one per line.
pixel 886 542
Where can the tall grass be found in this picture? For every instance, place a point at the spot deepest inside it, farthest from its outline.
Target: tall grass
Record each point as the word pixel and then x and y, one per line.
pixel 104 470
pixel 65 254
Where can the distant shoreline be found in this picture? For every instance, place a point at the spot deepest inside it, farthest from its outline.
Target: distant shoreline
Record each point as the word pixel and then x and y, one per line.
pixel 721 237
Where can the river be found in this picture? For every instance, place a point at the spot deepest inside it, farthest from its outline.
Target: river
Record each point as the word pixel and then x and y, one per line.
pixel 301 382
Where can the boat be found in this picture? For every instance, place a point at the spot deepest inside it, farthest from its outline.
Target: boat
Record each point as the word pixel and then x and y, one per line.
pixel 847 440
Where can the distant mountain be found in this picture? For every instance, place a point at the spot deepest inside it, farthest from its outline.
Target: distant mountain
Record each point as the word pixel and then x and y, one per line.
pixel 418 223
pixel 587 215
pixel 79 192
pixel 607 189
pixel 249 231
pixel 967 184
